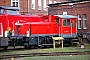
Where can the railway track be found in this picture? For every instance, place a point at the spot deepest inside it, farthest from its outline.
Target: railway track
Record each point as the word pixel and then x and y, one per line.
pixel 11 49
pixel 19 48
pixel 43 54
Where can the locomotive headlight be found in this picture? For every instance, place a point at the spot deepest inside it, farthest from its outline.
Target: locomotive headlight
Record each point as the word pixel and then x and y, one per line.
pixel 27 33
pixel 12 32
pixel 18 21
pixel 6 33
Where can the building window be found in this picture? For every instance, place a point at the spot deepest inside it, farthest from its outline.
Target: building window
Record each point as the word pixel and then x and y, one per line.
pixel 39 4
pixel 55 1
pixel 15 3
pixel 45 4
pixel 33 4
pixel 79 21
pixel 50 1
pixel 84 21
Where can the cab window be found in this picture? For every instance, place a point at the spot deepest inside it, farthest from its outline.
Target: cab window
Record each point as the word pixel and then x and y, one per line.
pixel 2 11
pixel 13 12
pixel 66 22
pixel 73 23
pixel 57 21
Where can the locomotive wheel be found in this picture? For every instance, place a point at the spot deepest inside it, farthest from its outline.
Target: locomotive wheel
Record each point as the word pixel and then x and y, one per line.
pixel 5 48
pixel 26 46
pixel 40 47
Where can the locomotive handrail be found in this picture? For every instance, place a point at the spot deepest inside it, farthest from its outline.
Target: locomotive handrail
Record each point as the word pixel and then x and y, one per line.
pixel 58 38
pixel 1 31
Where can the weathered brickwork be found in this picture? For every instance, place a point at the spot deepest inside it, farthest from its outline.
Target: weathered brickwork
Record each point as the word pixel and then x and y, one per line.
pixel 5 2
pixel 76 9
pixel 26 8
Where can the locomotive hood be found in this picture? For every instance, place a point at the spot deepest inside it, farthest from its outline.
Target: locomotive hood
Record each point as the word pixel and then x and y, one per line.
pixel 32 18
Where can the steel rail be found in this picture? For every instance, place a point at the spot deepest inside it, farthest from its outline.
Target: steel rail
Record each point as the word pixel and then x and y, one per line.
pixel 43 54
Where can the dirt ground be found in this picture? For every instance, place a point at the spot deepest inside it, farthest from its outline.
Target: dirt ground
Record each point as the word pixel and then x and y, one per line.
pixel 13 59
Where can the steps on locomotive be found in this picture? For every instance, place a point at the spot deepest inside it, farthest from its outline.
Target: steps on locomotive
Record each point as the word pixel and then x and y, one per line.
pixel 74 41
pixel 4 42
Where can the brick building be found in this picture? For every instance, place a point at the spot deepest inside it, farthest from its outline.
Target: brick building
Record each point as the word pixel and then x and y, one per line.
pixel 30 6
pixel 78 8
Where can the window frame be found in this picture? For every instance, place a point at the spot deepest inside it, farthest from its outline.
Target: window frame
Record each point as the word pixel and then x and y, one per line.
pixel 84 21
pixel 55 2
pixel 73 23
pixel 57 20
pixel 79 21
pixel 2 11
pixel 13 12
pixel 44 4
pixel 66 22
pixel 50 1
pixel 33 4
pixel 15 3
pixel 39 4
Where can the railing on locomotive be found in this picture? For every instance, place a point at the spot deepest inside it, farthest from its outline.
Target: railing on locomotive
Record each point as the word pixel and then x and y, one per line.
pixel 1 30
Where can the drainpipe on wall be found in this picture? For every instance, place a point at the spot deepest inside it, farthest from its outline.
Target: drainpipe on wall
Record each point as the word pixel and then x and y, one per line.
pixel 48 9
pixel 28 6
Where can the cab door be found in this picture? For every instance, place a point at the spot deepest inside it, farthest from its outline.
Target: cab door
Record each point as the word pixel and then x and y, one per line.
pixel 66 27
pixel 73 26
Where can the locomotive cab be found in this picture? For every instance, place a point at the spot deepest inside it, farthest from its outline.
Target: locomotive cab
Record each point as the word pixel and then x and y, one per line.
pixel 68 28
pixel 7 16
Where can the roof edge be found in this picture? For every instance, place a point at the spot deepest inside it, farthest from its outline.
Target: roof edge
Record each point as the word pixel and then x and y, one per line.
pixel 68 2
pixel 9 7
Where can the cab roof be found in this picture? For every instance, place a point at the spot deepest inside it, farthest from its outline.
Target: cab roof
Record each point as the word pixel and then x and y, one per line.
pixel 9 8
pixel 66 16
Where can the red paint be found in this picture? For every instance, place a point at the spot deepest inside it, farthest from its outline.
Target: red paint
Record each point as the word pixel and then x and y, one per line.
pixel 36 24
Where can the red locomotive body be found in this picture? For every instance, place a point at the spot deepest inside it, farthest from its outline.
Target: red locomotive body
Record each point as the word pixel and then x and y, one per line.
pixel 34 30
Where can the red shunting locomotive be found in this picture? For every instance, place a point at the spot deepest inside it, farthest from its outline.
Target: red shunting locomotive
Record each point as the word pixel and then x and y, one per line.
pixel 35 30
